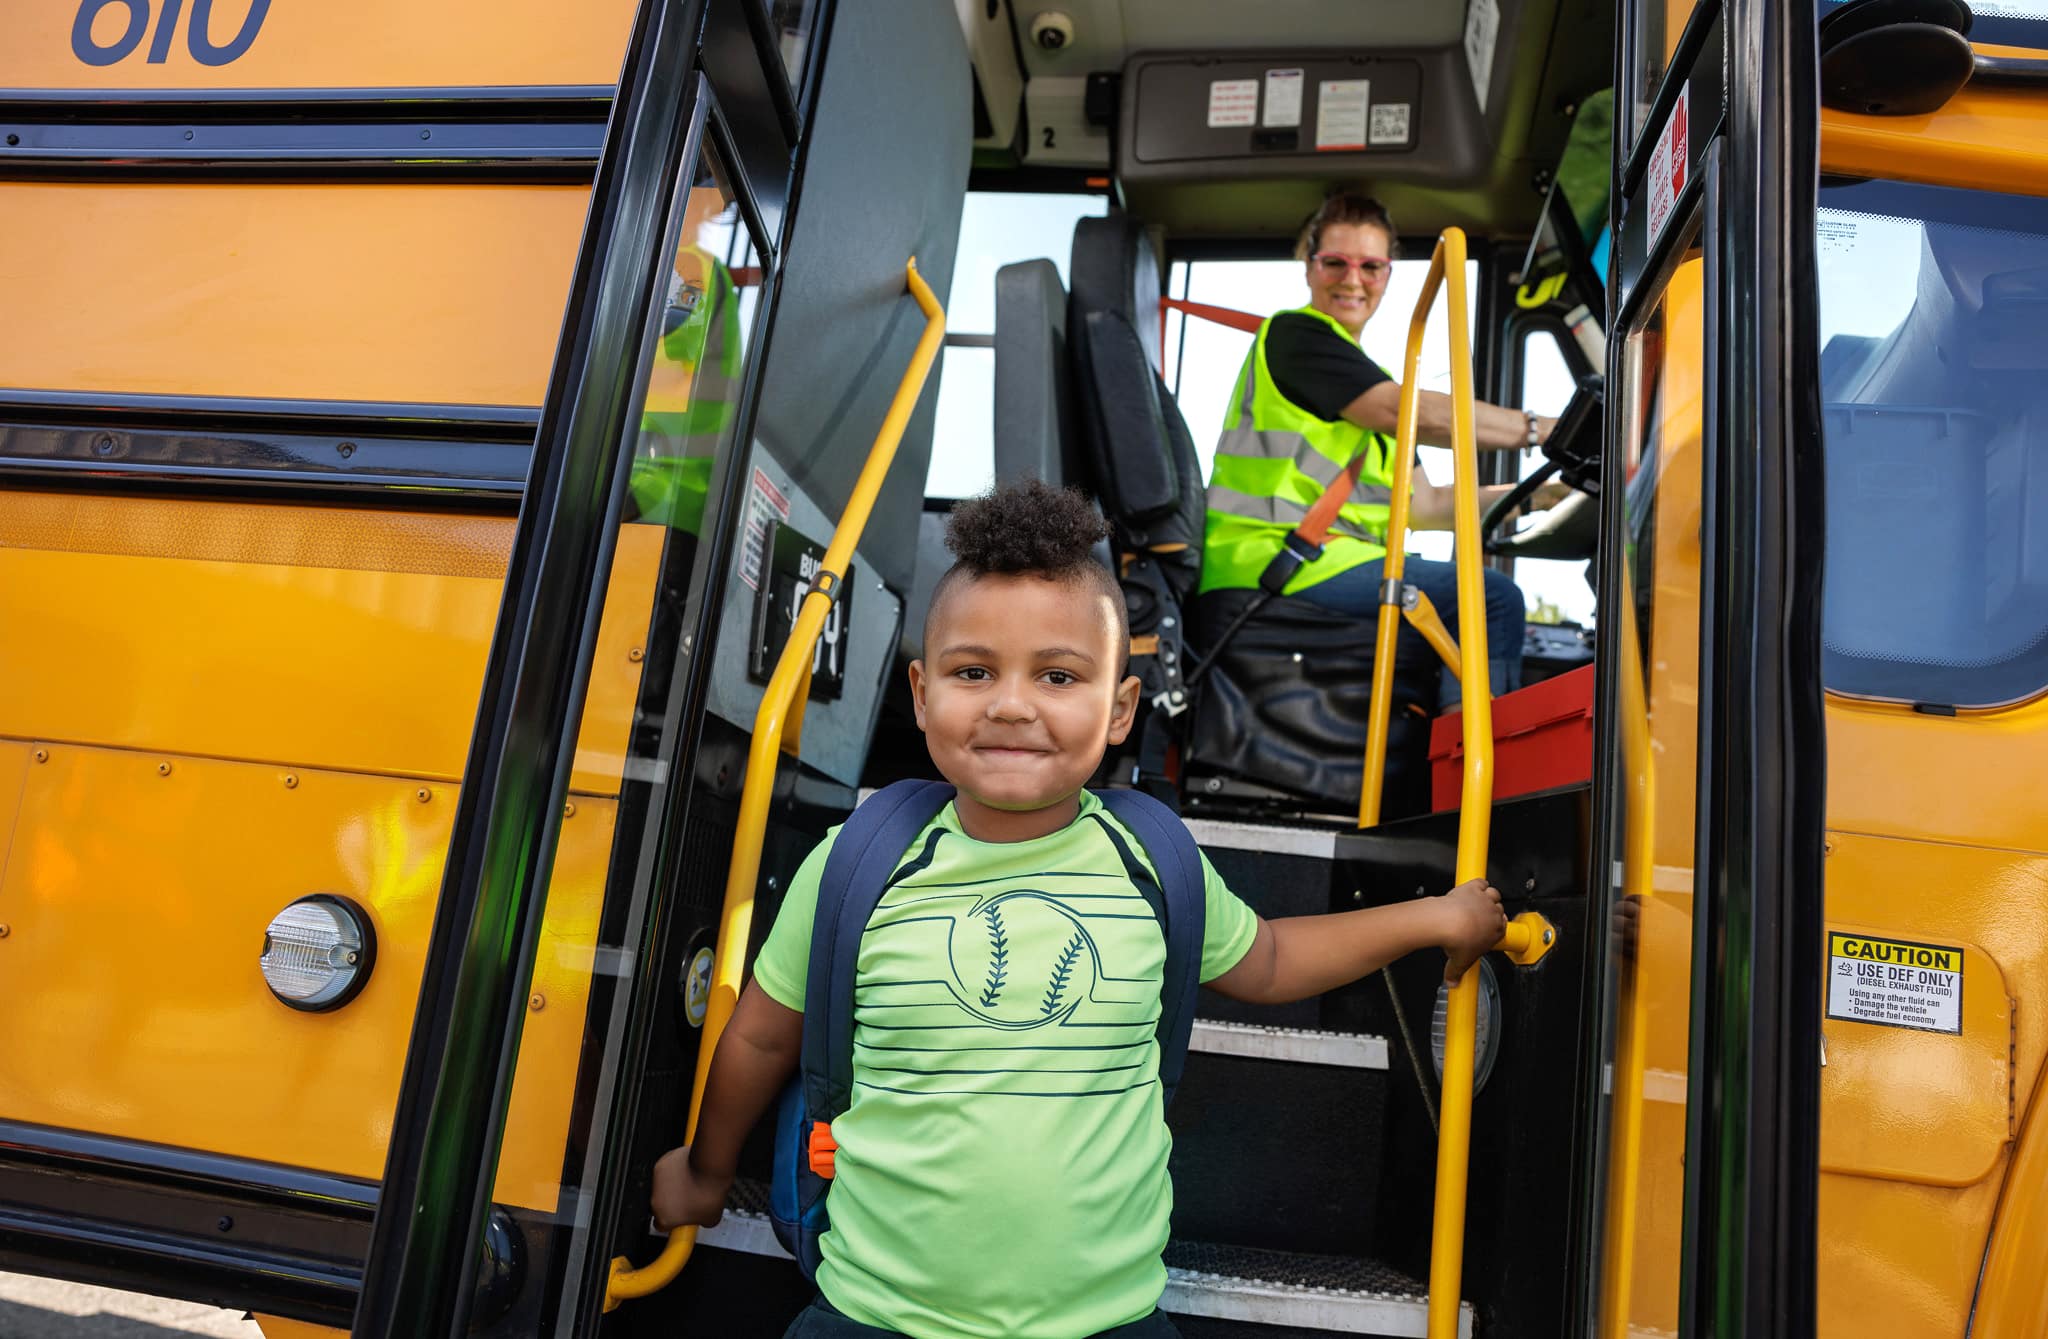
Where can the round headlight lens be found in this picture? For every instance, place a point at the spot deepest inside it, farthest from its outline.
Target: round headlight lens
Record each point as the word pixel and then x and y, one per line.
pixel 1485 1036
pixel 317 952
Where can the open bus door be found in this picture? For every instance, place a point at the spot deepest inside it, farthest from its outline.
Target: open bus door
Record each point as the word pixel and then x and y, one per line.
pixel 1698 1185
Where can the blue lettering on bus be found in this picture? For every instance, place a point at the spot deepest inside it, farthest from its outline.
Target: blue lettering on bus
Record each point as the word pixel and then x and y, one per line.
pixel 198 32
pixel 200 39
pixel 166 29
pixel 91 52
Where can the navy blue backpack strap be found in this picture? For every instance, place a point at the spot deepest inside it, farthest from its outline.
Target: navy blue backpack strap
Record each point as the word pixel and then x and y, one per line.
pixel 1178 860
pixel 862 863
pixel 866 857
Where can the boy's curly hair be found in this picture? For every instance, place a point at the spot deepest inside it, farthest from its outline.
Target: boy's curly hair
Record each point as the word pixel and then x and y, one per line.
pixel 1025 527
pixel 1028 527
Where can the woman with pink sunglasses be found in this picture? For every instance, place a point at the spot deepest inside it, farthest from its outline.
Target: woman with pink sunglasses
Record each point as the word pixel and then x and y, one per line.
pixel 1309 406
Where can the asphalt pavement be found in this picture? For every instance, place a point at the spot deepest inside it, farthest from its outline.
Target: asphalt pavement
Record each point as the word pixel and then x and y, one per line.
pixel 34 1308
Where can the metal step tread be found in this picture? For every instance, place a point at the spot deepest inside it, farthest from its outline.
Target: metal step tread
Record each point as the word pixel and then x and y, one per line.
pixel 1258 1041
pixel 1339 1293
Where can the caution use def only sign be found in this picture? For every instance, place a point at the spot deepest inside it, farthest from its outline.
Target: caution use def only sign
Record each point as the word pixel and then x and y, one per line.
pixel 1895 983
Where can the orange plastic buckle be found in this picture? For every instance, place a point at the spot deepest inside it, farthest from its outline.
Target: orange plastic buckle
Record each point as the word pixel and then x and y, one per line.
pixel 821 1147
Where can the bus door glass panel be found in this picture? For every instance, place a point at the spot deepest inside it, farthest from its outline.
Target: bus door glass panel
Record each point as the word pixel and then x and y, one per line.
pixel 1652 40
pixel 681 450
pixel 1654 622
pixel 795 24
pixel 1934 382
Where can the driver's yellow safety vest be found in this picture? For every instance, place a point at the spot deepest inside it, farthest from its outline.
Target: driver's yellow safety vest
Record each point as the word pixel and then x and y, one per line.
pixel 1272 463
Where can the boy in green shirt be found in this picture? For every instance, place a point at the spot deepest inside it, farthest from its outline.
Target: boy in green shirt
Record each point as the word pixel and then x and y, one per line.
pixel 1001 1173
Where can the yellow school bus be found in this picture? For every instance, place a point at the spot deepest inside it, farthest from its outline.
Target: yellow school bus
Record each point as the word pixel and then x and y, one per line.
pixel 471 477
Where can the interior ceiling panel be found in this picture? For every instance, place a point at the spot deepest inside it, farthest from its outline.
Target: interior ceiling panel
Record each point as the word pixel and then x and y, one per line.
pixel 1106 32
pixel 1488 178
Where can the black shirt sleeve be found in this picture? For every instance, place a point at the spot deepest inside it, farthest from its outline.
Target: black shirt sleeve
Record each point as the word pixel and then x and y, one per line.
pixel 1316 367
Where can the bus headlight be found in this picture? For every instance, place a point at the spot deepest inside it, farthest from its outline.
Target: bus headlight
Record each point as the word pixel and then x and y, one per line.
pixel 317 952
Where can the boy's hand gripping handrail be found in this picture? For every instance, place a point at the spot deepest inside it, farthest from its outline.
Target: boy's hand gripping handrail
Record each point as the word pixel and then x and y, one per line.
pixel 1528 936
pixel 780 713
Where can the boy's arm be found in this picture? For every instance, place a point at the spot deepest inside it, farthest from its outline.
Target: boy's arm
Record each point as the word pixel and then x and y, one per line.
pixel 1302 956
pixel 755 1057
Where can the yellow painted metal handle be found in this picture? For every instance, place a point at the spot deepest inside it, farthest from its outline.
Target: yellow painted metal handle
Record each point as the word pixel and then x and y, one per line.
pixel 1423 617
pixel 1373 789
pixel 781 710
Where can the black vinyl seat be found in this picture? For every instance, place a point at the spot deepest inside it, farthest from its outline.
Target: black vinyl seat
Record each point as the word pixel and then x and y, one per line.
pixel 1282 712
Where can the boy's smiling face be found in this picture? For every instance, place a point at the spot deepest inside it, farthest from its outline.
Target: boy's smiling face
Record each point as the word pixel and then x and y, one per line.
pixel 1020 692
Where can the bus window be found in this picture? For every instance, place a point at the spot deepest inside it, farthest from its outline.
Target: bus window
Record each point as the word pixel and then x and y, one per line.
pixel 793 21
pixel 1646 1038
pixel 1557 589
pixel 997 228
pixel 1653 38
pixel 1934 346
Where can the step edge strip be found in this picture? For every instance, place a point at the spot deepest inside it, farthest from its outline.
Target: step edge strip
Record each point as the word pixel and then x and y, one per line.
pixel 1188 1292
pixel 1221 834
pixel 1350 1050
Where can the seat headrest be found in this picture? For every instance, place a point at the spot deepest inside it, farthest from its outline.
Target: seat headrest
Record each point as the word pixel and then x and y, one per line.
pixel 1115 268
pixel 1034 434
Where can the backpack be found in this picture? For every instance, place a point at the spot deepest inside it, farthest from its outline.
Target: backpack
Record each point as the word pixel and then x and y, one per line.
pixel 863 859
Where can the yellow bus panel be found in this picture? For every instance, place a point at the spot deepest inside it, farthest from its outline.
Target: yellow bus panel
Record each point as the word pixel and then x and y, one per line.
pixel 346 639
pixel 155 45
pixel 136 899
pixel 443 294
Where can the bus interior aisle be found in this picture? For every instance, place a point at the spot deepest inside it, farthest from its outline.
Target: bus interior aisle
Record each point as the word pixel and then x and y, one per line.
pixel 472 483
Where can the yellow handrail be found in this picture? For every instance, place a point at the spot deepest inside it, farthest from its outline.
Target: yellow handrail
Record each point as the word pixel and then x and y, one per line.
pixel 782 707
pixel 1528 936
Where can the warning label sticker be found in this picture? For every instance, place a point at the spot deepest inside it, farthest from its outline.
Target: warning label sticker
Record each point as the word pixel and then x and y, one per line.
pixel 1895 983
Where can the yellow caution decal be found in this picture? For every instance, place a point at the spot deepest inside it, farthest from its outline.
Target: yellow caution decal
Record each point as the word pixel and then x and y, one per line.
pixel 1895 983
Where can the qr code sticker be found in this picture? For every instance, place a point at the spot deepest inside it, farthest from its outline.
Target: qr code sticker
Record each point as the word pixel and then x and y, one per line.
pixel 1389 123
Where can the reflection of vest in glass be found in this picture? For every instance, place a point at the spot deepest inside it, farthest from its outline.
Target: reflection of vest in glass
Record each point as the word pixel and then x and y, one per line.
pixel 690 393
pixel 1273 462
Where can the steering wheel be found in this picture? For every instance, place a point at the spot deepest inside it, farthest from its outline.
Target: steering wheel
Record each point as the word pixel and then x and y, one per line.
pixel 1571 529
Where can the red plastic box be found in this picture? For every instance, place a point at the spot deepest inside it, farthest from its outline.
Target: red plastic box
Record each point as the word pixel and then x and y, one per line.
pixel 1542 737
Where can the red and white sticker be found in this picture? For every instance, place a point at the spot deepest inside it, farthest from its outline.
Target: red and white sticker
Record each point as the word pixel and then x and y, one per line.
pixel 1669 160
pixel 1233 102
pixel 765 503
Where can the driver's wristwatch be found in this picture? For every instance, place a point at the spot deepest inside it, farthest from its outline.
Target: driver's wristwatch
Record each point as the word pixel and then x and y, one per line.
pixel 1535 437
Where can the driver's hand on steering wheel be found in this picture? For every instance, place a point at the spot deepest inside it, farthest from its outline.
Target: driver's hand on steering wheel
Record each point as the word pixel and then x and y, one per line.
pixel 1547 496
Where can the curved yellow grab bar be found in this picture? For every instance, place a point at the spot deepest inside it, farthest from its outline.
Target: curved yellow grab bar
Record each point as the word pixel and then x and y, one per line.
pixel 1528 937
pixel 781 711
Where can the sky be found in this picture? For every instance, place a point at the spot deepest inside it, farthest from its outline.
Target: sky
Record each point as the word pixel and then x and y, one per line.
pixel 997 229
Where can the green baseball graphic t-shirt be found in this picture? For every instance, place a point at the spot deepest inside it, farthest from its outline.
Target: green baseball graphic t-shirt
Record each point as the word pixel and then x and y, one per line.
pixel 1002 1170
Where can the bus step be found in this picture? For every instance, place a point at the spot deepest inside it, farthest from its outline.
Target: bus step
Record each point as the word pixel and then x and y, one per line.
pixel 1223 1292
pixel 1213 1291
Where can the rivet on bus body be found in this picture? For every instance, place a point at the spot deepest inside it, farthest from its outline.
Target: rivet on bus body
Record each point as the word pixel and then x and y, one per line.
pixel 163 769
pixel 635 655
pixel 423 795
pixel 42 755
pixel 290 782
pixel 537 1002
pixel 5 929
pixel 345 449
pixel 1827 848
pixel 569 810
pixel 426 134
pixel 188 134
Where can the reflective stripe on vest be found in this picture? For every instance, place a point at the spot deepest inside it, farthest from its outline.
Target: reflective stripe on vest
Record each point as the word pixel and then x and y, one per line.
pixel 1273 461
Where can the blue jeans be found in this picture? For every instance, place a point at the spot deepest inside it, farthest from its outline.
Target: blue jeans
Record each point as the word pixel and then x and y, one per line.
pixel 821 1320
pixel 1357 592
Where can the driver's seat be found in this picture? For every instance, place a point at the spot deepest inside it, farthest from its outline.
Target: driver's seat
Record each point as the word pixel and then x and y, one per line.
pixel 1281 715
